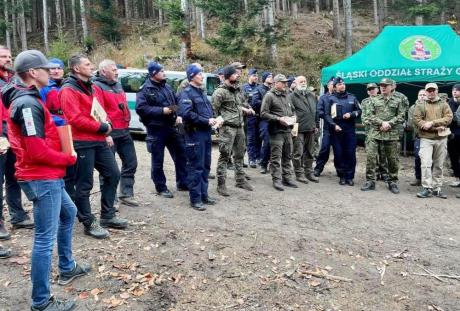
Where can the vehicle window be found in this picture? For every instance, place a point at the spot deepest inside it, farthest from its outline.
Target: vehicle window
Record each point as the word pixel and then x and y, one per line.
pixel 211 84
pixel 132 81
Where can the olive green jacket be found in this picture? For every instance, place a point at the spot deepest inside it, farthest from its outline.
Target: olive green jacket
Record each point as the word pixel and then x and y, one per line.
pixel 227 102
pixel 275 105
pixel 436 111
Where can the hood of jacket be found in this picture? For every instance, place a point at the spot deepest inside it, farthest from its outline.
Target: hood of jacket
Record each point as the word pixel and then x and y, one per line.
pixel 16 89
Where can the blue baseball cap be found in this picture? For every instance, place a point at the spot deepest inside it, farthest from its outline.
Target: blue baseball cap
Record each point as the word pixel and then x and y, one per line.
pixel 56 62
pixel 252 72
pixel 154 68
pixel 192 71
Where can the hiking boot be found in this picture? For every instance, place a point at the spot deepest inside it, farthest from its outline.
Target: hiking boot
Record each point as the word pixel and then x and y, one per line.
pixel 4 234
pixel 25 224
pixel 79 270
pixel 438 193
pixel 301 179
pixel 342 181
pixel 393 187
pixel 369 185
pixel 245 165
pixel 252 164
pixel 222 188
pixel 416 183
pixel 4 253
pixel 130 201
pixel 166 194
pixel 350 182
pixel 54 304
pixel 316 173
pixel 278 186
pixel 425 193
pixel 182 188
pixel 455 184
pixel 96 231
pixel 290 183
pixel 209 201
pixel 263 170
pixel 247 177
pixel 114 222
pixel 312 177
pixel 245 186
pixel 211 176
pixel 199 206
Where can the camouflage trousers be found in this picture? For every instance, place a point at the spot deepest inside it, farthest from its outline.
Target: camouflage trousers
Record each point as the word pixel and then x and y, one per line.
pixel 231 139
pixel 281 156
pixel 304 145
pixel 381 168
pixel 387 151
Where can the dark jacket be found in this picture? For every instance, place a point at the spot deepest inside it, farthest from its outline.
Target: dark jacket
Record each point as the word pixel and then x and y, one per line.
pixel 344 103
pixel 275 105
pixel 455 125
pixel 258 96
pixel 76 97
pixel 305 109
pixel 150 101
pixel 116 106
pixel 249 90
pixel 195 109
pixel 33 135
pixel 321 104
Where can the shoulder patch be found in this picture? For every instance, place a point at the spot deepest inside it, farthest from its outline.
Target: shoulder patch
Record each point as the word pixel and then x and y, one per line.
pixel 29 121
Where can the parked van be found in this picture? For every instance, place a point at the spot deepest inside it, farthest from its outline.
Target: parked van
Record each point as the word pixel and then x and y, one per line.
pixel 132 79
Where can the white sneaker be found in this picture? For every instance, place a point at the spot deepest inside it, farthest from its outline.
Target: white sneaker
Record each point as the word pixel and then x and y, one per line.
pixel 455 183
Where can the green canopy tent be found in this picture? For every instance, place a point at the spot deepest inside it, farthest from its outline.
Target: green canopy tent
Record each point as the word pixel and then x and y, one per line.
pixel 410 55
pixel 405 54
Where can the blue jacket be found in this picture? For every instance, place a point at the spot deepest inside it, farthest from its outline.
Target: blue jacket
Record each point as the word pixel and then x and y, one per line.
pixel 151 100
pixel 258 96
pixel 321 103
pixel 249 90
pixel 195 108
pixel 345 103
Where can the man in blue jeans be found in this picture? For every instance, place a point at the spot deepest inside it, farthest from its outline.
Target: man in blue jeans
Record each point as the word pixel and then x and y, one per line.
pixel 40 167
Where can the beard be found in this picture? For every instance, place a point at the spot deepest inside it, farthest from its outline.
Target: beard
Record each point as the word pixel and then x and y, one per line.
pixel 302 88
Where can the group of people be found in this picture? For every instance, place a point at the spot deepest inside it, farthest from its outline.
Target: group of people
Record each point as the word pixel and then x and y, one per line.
pixel 277 122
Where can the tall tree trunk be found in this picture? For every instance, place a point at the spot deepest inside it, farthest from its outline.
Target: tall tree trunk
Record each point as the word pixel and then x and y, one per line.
pixel 317 6
pixel 84 24
pixel 336 21
pixel 381 14
pixel 348 27
pixel 271 25
pixel 245 6
pixel 74 20
pixel 45 27
pixel 136 9
pixel 186 47
pixel 419 18
pixel 127 12
pixel 160 17
pixel 58 18
pixel 202 24
pixel 22 25
pixel 7 28
pixel 63 5
pixel 14 27
pixel 376 12
pixel 295 9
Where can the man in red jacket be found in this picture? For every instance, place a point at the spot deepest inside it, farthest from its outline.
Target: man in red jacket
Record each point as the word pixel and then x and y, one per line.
pixel 40 166
pixel 113 99
pixel 89 136
pixel 19 218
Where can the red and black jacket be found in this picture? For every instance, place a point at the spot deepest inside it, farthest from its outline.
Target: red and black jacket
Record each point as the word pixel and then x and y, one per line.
pixel 33 135
pixel 76 97
pixel 114 101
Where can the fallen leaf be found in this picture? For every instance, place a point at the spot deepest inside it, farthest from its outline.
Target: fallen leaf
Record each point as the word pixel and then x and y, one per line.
pixel 20 260
pixel 83 295
pixel 96 291
pixel 124 295
pixel 7 283
pixel 138 292
pixel 314 283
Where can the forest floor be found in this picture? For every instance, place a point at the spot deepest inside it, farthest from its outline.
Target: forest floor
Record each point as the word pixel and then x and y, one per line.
pixel 320 247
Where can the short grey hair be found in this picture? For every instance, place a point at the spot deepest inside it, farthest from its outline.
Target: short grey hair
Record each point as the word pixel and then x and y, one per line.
pixel 105 63
pixel 75 60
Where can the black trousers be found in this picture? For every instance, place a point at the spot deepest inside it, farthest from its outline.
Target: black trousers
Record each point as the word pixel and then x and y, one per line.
pixel 453 148
pixel 102 159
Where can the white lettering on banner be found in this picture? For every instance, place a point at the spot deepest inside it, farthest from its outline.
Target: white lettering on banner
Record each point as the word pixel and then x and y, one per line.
pixel 398 72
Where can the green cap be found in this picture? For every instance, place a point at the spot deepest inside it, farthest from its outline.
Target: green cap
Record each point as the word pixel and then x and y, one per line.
pixel 371 86
pixel 387 81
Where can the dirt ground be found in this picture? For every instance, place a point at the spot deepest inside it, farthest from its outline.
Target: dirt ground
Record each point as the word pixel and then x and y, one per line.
pixel 320 247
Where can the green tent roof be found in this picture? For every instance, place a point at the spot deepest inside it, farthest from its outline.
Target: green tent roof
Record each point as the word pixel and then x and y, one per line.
pixel 405 54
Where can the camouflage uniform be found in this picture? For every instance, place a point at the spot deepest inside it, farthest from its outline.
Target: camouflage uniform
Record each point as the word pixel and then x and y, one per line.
pixel 381 168
pixel 384 144
pixel 227 102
